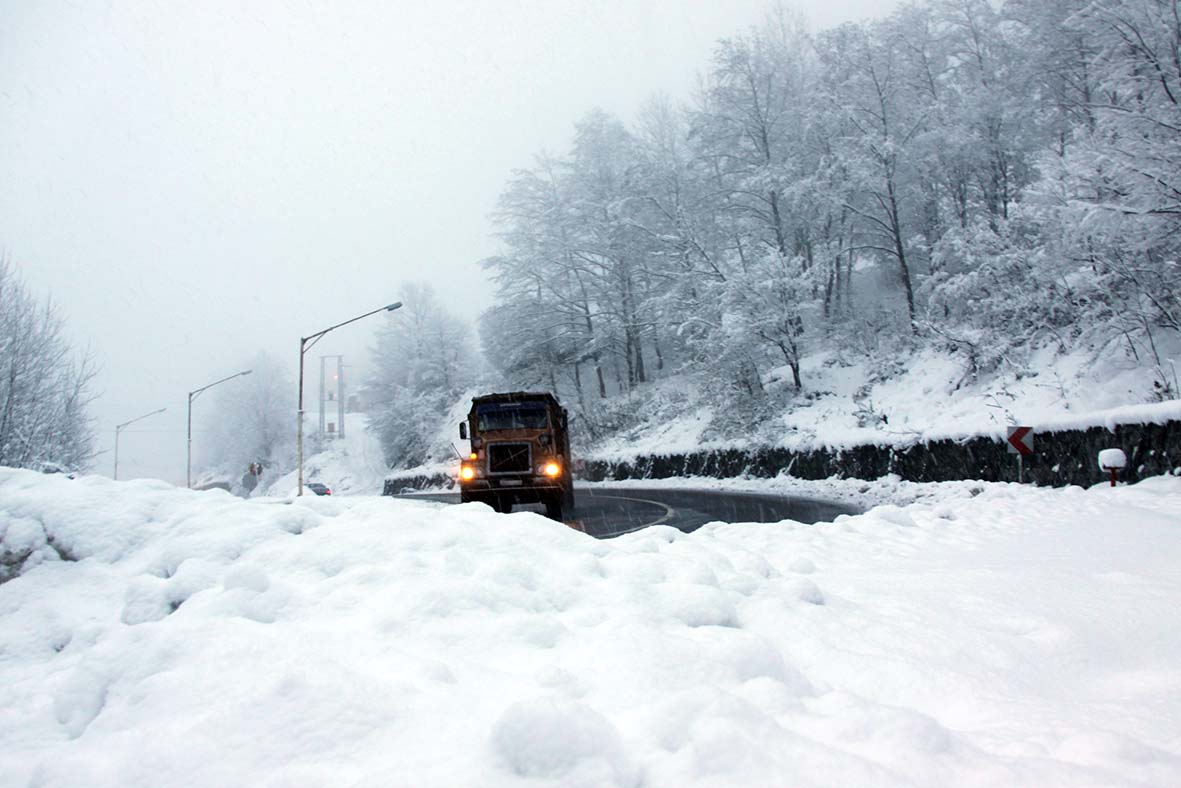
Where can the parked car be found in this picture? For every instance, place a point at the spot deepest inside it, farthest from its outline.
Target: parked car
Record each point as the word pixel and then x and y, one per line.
pixel 318 488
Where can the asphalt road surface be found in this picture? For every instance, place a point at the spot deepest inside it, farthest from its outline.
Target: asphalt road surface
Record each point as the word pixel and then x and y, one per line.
pixel 604 512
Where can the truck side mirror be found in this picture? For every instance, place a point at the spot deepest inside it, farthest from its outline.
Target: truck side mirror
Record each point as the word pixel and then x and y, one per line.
pixel 463 430
pixel 565 420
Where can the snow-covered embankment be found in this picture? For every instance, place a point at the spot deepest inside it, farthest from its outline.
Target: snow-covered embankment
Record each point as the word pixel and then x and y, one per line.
pixel 1020 636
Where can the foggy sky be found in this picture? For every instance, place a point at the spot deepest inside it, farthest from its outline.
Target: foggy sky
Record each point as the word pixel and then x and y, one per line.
pixel 195 182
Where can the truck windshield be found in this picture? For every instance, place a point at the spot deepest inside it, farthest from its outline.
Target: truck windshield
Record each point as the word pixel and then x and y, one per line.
pixel 490 418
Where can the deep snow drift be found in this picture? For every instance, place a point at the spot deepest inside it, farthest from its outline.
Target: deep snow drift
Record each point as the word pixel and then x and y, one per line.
pixel 1014 637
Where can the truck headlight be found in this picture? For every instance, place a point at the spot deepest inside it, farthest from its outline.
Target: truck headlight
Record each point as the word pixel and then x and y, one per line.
pixel 552 469
pixel 467 472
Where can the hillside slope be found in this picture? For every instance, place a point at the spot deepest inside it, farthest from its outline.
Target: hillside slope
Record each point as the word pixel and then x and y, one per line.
pixel 850 400
pixel 352 465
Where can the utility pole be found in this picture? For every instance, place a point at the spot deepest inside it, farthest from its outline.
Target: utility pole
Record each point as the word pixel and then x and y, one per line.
pixel 305 344
pixel 340 408
pixel 330 391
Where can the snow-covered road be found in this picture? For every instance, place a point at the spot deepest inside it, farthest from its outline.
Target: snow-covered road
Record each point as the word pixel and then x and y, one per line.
pixel 1012 637
pixel 605 511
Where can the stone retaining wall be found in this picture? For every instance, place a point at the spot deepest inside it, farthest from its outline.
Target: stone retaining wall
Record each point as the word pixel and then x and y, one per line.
pixel 395 485
pixel 1063 457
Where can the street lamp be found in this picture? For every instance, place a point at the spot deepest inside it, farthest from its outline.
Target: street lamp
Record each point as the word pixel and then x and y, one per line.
pixel 119 428
pixel 305 344
pixel 192 396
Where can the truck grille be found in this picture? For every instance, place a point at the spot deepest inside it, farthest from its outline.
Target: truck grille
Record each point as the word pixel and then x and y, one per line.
pixel 509 458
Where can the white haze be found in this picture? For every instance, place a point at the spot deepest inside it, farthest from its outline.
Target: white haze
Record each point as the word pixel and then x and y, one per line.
pixel 193 183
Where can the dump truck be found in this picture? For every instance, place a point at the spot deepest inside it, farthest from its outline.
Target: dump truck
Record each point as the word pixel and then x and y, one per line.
pixel 520 453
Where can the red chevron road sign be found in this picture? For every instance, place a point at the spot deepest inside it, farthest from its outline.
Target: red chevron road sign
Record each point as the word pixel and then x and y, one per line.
pixel 1020 441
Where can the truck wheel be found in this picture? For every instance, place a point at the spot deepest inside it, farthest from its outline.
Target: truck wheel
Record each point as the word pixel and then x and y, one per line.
pixel 554 509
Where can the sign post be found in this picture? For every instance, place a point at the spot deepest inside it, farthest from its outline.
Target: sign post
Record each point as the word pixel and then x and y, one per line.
pixel 1113 461
pixel 1019 441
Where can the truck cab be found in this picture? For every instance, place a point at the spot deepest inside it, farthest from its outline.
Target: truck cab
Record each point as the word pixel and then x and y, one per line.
pixel 520 453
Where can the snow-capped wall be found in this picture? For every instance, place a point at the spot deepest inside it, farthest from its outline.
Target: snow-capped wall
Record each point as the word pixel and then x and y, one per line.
pixel 1063 457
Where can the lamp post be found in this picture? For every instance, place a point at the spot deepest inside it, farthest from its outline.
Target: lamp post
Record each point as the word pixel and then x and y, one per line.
pixel 305 344
pixel 189 451
pixel 119 428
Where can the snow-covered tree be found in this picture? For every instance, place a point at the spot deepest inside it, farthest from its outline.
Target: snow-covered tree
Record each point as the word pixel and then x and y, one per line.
pixel 549 326
pixel 424 361
pixel 989 177
pixel 1112 200
pixel 45 386
pixel 253 420
pixel 610 248
pixel 883 113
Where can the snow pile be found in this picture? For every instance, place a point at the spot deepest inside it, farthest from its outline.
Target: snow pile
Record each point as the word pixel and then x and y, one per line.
pixel 161 637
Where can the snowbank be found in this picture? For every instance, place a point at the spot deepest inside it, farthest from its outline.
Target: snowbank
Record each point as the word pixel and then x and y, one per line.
pixel 994 635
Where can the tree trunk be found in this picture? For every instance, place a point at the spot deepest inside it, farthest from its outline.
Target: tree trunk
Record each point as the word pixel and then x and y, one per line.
pixel 900 251
pixel 578 386
pixel 780 241
pixel 590 333
pixel 641 373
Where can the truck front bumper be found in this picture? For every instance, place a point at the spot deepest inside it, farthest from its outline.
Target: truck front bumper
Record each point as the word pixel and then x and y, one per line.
pixel 526 489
